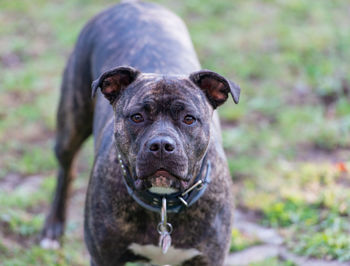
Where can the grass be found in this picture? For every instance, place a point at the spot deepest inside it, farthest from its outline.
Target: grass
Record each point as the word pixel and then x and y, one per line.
pixel 241 241
pixel 273 262
pixel 288 141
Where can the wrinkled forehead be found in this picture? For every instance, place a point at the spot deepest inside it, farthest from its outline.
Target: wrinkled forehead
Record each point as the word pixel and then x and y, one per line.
pixel 164 90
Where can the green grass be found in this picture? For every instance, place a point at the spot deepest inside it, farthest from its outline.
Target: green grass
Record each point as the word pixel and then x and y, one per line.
pixel 283 140
pixel 241 241
pixel 313 206
pixel 326 239
pixel 273 262
pixel 71 254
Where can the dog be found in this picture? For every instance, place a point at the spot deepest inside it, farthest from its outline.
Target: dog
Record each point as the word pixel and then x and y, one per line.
pixel 160 188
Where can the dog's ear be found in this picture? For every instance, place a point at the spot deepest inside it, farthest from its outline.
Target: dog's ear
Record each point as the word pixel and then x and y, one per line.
pixel 215 87
pixel 113 81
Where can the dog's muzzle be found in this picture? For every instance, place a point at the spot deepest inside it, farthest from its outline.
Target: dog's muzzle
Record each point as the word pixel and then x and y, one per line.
pixel 175 201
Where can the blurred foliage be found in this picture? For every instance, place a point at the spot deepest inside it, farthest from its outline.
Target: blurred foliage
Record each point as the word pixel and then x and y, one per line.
pixel 241 241
pixel 288 141
pixel 273 262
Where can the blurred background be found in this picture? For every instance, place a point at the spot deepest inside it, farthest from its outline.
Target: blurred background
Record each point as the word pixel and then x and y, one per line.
pixel 287 141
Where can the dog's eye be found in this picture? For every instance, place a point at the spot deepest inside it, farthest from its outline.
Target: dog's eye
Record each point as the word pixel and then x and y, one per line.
pixel 137 118
pixel 189 120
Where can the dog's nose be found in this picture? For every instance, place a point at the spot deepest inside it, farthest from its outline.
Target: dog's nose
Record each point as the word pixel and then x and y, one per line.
pixel 161 145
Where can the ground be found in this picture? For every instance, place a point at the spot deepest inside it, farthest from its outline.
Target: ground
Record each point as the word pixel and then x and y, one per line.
pixel 288 140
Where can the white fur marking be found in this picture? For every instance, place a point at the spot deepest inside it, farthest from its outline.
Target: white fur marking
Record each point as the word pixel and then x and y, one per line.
pixel 174 256
pixel 48 243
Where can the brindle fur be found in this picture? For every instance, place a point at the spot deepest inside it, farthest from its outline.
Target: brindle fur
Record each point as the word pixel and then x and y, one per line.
pixel 153 40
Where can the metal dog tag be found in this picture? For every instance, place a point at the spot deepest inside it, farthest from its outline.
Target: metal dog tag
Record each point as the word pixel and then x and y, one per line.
pixel 165 241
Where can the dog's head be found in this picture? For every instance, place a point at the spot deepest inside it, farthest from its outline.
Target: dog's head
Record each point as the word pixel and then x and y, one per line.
pixel 162 123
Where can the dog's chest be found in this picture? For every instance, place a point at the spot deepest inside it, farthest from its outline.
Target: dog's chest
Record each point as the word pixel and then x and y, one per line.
pixel 174 256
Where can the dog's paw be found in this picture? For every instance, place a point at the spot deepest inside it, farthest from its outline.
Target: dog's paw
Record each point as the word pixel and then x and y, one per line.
pixel 47 243
pixel 51 234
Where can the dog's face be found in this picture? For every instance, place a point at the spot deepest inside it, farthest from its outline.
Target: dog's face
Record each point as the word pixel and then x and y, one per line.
pixel 162 123
pixel 162 129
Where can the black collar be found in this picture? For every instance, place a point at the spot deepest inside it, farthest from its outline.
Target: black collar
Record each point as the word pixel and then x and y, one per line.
pixel 175 201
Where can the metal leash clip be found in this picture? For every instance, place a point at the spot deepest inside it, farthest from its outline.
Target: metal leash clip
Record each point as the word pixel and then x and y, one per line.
pixel 164 229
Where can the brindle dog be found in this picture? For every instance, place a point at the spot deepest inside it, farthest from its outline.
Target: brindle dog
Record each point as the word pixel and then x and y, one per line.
pixel 155 136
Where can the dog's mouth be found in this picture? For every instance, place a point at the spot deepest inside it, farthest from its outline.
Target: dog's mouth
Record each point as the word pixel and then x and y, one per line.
pixel 161 182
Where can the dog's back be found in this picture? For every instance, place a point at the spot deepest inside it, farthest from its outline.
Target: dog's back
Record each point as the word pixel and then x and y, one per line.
pixel 138 34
